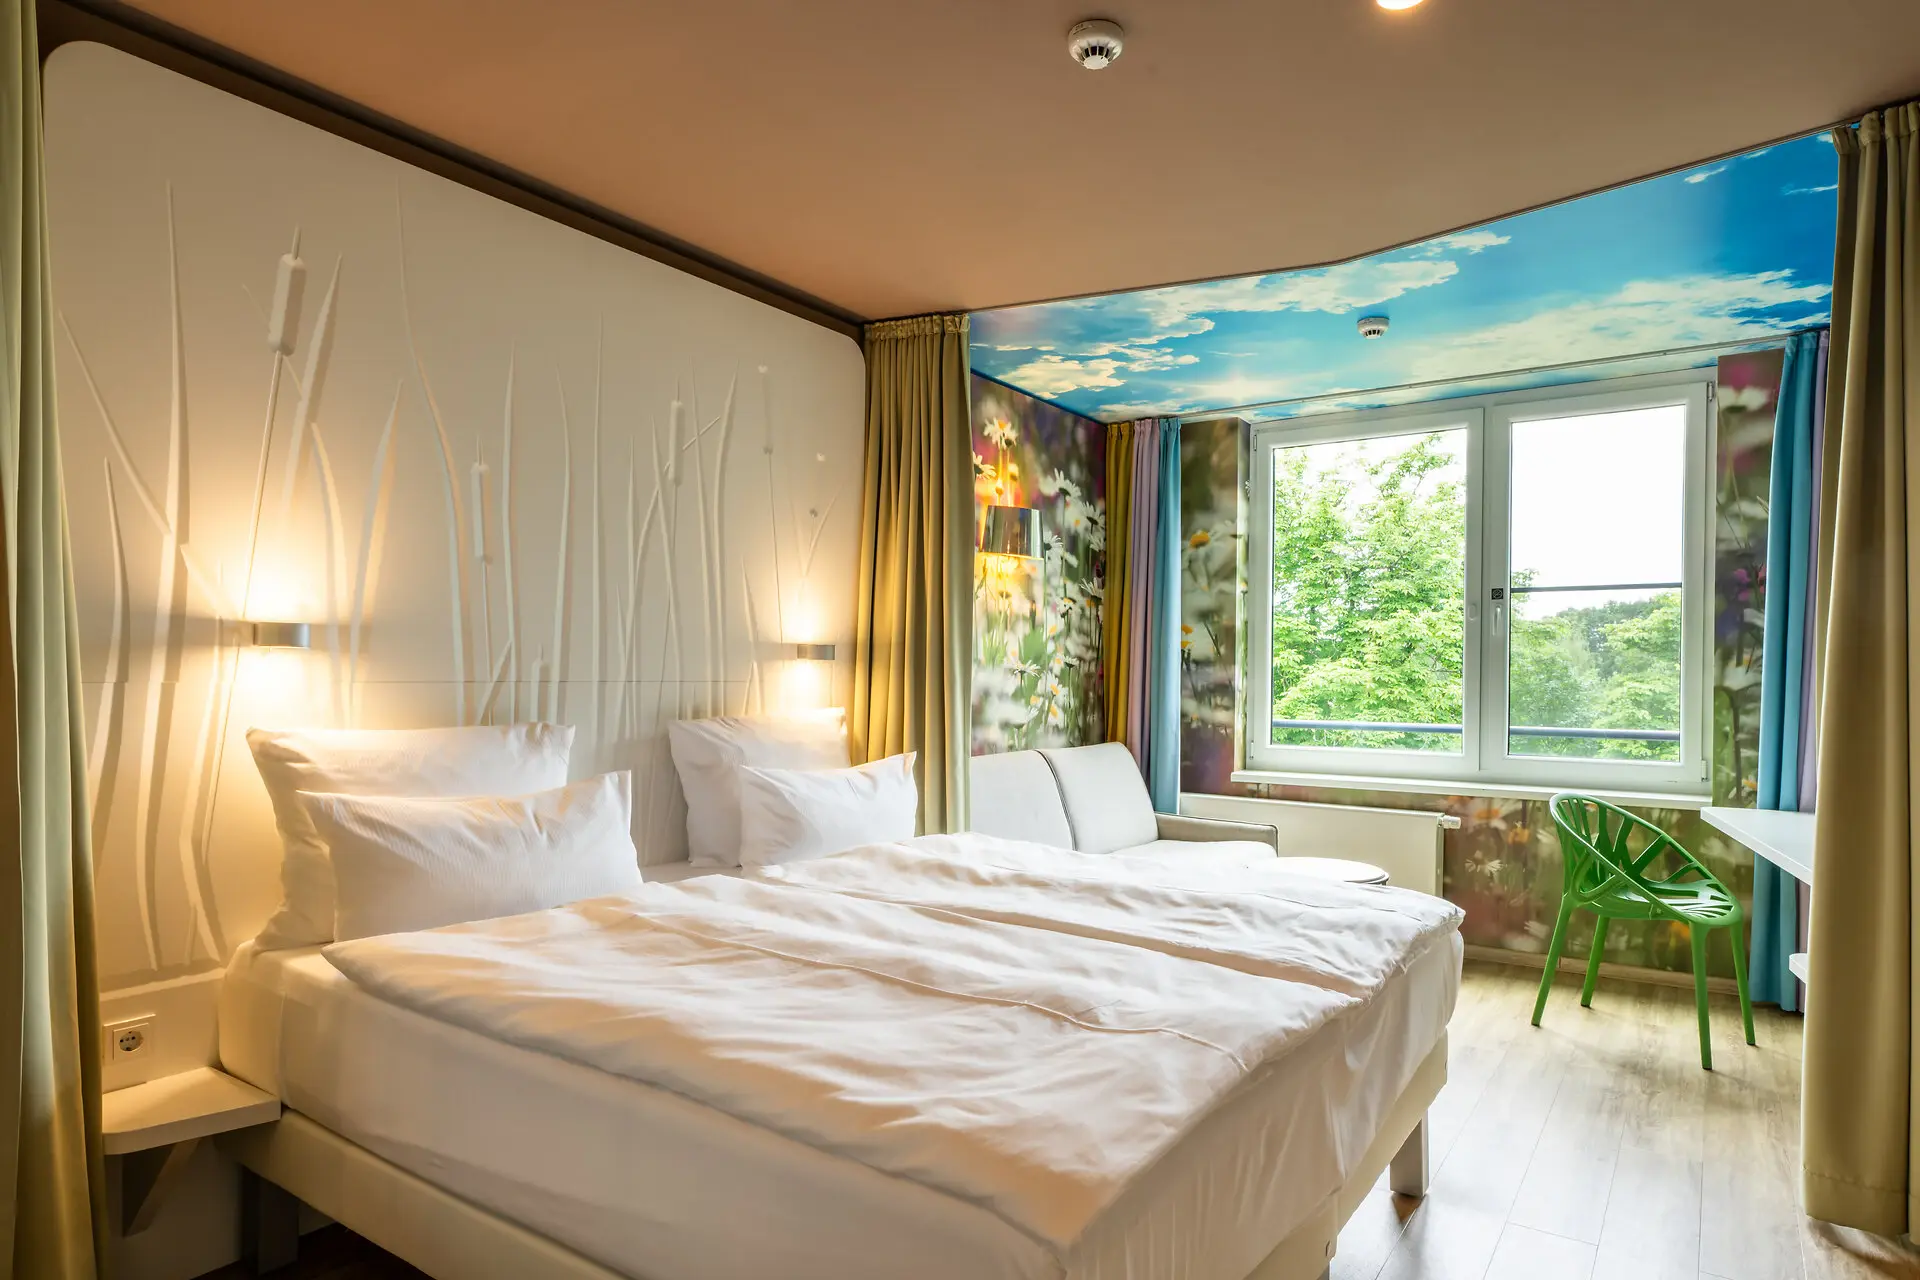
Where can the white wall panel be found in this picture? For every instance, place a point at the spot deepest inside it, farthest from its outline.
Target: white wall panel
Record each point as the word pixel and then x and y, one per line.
pixel 510 471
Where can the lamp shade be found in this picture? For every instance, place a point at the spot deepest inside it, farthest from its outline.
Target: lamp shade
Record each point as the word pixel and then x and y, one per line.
pixel 1011 531
pixel 282 635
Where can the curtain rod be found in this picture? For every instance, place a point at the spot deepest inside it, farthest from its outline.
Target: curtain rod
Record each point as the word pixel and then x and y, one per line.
pixel 1702 348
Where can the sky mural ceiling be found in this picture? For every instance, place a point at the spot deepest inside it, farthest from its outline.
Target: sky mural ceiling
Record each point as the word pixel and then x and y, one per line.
pixel 1740 250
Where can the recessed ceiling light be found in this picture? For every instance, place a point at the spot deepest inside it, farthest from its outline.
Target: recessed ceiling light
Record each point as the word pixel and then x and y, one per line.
pixel 1396 4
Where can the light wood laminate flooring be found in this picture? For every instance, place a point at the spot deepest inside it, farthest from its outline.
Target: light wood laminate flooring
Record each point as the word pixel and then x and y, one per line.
pixel 1595 1148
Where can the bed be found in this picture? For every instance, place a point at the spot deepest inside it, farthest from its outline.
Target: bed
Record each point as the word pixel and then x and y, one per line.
pixel 470 1155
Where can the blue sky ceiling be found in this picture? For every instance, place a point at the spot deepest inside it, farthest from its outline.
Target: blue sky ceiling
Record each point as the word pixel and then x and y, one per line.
pixel 1739 250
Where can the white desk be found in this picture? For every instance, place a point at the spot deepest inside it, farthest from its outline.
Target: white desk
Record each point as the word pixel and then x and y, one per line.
pixel 1785 839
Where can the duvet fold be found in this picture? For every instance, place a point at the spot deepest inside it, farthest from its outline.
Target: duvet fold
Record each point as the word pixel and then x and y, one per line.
pixel 1260 919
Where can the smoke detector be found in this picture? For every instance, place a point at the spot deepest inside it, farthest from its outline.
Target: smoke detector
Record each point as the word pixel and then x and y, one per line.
pixel 1373 326
pixel 1095 43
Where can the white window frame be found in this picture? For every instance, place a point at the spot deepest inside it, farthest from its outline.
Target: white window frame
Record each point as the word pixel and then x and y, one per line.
pixel 1483 764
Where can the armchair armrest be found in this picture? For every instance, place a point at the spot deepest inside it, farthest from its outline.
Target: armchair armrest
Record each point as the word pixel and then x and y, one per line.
pixel 1175 827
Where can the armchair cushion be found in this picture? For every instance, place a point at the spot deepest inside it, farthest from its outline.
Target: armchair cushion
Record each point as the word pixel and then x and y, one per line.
pixel 1015 797
pixel 1174 827
pixel 1105 797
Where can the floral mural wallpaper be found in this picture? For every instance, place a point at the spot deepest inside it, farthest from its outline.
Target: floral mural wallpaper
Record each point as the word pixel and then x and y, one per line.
pixel 1037 679
pixel 1503 865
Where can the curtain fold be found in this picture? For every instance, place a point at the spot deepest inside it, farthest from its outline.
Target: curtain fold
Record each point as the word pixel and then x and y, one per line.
pixel 1141 620
pixel 1163 675
pixel 1116 654
pixel 1790 533
pixel 53 1221
pixel 1858 1104
pixel 913 631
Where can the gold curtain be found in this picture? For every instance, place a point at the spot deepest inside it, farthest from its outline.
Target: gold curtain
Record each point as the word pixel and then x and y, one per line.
pixel 1860 1095
pixel 1115 639
pixel 52 1188
pixel 913 638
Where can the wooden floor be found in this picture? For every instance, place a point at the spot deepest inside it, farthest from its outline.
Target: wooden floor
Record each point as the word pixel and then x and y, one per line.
pixel 1593 1148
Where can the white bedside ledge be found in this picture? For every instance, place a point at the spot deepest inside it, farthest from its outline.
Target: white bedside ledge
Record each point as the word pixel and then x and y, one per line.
pixel 152 1130
pixel 180 1108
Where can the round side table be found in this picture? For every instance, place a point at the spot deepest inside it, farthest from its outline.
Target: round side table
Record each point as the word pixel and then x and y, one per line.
pixel 1335 869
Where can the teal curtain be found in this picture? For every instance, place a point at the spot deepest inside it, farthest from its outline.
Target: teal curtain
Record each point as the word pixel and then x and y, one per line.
pixel 1163 641
pixel 1784 662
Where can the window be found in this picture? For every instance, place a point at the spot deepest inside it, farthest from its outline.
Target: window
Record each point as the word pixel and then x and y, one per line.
pixel 1503 590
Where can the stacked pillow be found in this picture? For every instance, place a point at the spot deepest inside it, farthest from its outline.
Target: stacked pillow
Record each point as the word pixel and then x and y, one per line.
pixel 392 830
pixel 768 789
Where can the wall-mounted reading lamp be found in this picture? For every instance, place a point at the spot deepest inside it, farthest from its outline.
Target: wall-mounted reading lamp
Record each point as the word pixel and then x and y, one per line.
pixel 282 635
pixel 1011 531
pixel 813 652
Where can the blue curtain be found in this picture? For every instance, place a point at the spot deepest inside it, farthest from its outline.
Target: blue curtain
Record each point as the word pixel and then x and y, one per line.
pixel 1163 644
pixel 1784 659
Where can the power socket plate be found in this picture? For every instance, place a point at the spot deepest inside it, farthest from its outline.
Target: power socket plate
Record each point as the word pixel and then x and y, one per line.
pixel 129 1039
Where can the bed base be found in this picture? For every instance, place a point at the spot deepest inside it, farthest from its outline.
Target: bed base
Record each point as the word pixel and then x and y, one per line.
pixel 452 1239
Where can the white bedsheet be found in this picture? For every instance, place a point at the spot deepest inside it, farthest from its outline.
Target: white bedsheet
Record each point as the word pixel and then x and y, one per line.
pixel 656 1185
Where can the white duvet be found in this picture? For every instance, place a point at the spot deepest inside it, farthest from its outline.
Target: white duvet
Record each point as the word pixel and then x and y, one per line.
pixel 981 1017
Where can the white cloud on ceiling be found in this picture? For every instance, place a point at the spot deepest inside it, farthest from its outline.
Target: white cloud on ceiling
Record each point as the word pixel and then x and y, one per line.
pixel 1052 376
pixel 1809 191
pixel 1704 174
pixel 1346 287
pixel 1465 241
pixel 1642 316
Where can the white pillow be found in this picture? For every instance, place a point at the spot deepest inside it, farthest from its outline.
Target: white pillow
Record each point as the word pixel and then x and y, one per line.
pixel 402 862
pixel 708 755
pixel 510 760
pixel 787 815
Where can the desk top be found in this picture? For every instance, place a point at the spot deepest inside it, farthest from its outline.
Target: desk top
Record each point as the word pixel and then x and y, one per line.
pixel 1785 839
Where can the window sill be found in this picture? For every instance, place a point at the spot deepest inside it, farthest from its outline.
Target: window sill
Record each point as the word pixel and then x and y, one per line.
pixel 1478 790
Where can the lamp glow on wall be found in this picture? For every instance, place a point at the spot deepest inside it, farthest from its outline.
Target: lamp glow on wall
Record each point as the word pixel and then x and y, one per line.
pixel 808 680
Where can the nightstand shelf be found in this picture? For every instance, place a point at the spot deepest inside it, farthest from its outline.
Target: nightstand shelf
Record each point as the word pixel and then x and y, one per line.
pixel 152 1130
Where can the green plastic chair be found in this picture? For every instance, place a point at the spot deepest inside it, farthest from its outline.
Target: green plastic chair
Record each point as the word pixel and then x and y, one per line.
pixel 1660 880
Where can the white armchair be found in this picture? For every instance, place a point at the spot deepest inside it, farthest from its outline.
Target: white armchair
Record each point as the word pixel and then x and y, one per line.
pixel 1092 799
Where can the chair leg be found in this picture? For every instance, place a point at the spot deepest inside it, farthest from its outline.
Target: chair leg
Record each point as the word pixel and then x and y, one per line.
pixel 1553 957
pixel 1593 962
pixel 1740 981
pixel 1698 934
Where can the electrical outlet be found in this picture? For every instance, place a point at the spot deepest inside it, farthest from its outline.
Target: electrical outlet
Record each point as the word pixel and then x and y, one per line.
pixel 129 1039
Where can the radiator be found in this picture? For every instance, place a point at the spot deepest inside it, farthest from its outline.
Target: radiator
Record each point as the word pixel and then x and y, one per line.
pixel 1405 843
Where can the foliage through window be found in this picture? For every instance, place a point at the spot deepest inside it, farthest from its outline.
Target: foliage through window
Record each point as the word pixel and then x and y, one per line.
pixel 1498 590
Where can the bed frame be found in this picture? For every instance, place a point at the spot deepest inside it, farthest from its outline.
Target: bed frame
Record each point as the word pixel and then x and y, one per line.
pixel 294 1160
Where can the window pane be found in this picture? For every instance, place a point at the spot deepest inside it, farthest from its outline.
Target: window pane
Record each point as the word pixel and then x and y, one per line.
pixel 1369 556
pixel 1595 674
pixel 1593 659
pixel 1598 498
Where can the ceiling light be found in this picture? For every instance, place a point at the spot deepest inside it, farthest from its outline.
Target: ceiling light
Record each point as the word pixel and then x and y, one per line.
pixel 1095 43
pixel 1396 4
